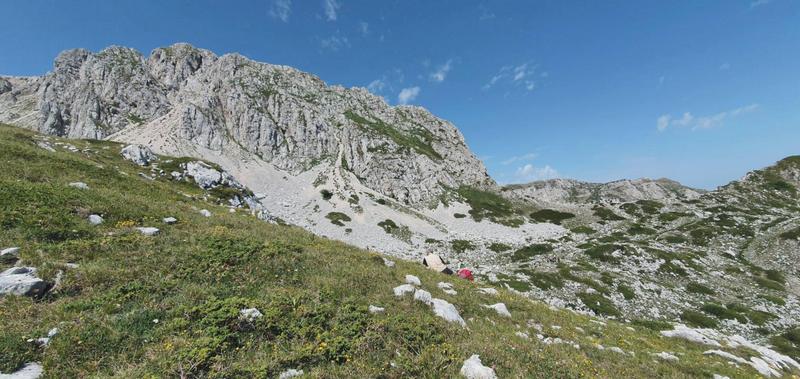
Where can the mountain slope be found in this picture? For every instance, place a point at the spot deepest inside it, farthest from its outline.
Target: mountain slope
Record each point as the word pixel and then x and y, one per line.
pixel 568 191
pixel 724 259
pixel 130 305
pixel 288 118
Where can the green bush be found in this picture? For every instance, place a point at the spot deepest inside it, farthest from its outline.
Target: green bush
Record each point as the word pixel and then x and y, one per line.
pixel 599 304
pixel 606 214
pixel 489 205
pixel 627 292
pixel 723 313
pixel 638 229
pixel 461 246
pixel 326 194
pixel 655 325
pixel 499 247
pixel 699 288
pixel 770 284
pixel 792 234
pixel 551 216
pixel 788 342
pixel 583 230
pixel 338 218
pixel 603 253
pixel 531 251
pixel 388 225
pixel 546 280
pixel 697 319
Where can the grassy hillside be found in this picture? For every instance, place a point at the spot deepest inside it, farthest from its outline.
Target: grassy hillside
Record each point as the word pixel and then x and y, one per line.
pixel 168 305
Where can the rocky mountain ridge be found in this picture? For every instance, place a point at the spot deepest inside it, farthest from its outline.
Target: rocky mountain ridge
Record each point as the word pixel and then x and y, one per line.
pixel 288 118
pixel 570 191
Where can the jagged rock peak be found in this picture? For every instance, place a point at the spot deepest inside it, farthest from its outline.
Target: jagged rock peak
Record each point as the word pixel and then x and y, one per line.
pixel 279 114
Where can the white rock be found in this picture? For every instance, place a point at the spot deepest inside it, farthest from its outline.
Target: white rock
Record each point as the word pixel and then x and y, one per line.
pixel 205 176
pixel 447 311
pixel 447 288
pixel 290 373
pixel 523 335
pixel 250 314
pixel 666 356
pixel 31 370
pixel 170 220
pixel 718 376
pixel 388 263
pixel 148 231
pixel 616 350
pixel 403 289
pixel 95 219
pixel 487 291
pixel 375 309
pixel 500 308
pixel 205 213
pixel 703 336
pixel 473 368
pixel 79 185
pixel 9 255
pixel 21 281
pixel 423 296
pixel 413 280
pixel 139 154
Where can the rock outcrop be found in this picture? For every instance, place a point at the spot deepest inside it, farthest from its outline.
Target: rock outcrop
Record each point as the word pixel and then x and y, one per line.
pixel 289 118
pixel 569 191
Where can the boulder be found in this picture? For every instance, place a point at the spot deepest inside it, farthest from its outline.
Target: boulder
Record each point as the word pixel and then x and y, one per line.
pixel 204 175
pixel 205 213
pixel 148 231
pixel 139 154
pixel 79 185
pixel 170 220
pixel 290 373
pixel 500 308
pixel 31 370
pixel 250 314
pixel 447 311
pixel 403 289
pixel 487 291
pixel 10 254
pixel 95 219
pixel 388 263
pixel 423 296
pixel 413 280
pixel 375 309
pixel 666 356
pixel 473 368
pixel 447 288
pixel 21 281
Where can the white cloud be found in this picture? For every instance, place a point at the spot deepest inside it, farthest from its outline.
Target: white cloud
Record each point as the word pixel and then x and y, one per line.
pixel 376 86
pixel 529 173
pixel 704 122
pixel 281 9
pixel 408 94
pixel 725 66
pixel 364 28
pixel 758 3
pixel 518 158
pixel 663 122
pixel 331 9
pixel 335 42
pixel 441 73
pixel 520 75
pixel 486 14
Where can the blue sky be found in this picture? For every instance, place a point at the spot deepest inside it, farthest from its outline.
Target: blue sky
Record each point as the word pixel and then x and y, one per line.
pixel 697 91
